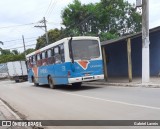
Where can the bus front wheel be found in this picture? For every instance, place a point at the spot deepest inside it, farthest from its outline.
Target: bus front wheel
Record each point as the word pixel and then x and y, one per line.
pixel 34 81
pixel 51 83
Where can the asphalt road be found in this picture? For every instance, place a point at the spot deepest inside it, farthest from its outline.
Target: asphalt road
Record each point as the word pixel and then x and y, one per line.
pixel 86 103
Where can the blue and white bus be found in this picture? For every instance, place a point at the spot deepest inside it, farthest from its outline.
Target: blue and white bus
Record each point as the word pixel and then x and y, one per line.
pixel 71 60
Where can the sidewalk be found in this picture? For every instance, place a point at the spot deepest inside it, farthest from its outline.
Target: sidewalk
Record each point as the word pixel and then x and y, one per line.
pixel 123 81
pixel 7 114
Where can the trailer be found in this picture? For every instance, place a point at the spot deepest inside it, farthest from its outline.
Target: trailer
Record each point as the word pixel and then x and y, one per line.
pixel 17 71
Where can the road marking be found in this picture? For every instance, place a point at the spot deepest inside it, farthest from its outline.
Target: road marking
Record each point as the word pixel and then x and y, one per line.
pixel 9 110
pixel 114 101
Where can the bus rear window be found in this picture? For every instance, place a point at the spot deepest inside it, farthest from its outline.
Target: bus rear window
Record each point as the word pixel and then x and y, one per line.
pixel 85 49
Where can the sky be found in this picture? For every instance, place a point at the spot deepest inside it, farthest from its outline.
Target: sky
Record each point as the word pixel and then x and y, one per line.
pixel 18 17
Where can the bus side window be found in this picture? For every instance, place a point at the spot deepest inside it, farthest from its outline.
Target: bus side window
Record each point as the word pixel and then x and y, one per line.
pixel 46 54
pixel 57 56
pixel 29 62
pixel 39 63
pixel 34 60
pixel 53 54
pixel 43 55
pixel 44 58
pixel 62 52
pixel 49 53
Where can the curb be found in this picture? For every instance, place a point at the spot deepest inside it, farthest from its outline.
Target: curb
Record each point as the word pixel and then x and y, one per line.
pixel 9 110
pixel 125 84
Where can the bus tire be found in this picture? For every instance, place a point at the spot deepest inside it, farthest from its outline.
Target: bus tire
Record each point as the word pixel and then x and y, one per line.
pixel 35 83
pixel 51 83
pixel 78 84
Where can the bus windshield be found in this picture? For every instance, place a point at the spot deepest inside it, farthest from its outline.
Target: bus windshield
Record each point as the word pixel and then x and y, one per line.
pixel 85 49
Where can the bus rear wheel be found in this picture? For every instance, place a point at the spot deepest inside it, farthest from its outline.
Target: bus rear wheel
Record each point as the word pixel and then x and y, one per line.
pixel 51 83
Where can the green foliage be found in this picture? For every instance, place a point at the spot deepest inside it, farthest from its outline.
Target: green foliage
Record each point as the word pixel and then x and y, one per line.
pixel 14 55
pixel 53 35
pixel 108 36
pixel 108 18
pixel 41 41
pixel 11 57
pixel 15 52
pixel 30 50
pixel 5 52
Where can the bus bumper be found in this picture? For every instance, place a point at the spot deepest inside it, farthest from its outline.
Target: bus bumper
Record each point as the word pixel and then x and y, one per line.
pixel 86 78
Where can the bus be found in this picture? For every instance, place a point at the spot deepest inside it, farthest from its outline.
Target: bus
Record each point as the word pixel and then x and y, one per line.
pixel 72 60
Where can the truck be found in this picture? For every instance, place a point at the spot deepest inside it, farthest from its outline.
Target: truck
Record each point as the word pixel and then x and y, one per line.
pixel 17 71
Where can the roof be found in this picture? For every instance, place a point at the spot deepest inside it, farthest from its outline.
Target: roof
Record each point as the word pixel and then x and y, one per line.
pixel 131 36
pixel 61 41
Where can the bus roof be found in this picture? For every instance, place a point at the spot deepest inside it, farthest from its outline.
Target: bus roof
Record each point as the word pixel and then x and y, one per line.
pixel 59 42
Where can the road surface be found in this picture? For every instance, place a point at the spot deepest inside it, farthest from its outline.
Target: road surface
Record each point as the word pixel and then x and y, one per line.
pixel 86 103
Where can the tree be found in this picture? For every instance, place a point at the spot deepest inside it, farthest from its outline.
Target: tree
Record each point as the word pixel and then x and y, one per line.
pixel 5 52
pixel 30 50
pixel 108 18
pixel 118 16
pixel 7 56
pixel 77 18
pixel 53 35
pixel 11 57
pixel 15 52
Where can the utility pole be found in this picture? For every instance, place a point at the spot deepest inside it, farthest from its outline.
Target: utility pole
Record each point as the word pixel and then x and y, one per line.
pixel 145 42
pixel 45 27
pixel 24 46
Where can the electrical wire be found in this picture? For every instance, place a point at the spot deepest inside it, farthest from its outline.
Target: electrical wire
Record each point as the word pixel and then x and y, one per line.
pixel 23 46
pixel 19 39
pixel 52 8
pixel 6 27
pixel 48 7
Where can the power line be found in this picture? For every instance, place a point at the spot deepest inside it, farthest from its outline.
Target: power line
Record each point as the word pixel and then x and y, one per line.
pixel 6 27
pixel 20 43
pixel 52 7
pixel 19 39
pixel 48 8
pixel 22 46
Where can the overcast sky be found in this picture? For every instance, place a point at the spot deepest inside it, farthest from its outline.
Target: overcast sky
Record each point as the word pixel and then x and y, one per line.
pixel 20 12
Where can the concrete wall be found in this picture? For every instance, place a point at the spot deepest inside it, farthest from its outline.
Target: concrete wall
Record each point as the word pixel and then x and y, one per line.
pixel 117 56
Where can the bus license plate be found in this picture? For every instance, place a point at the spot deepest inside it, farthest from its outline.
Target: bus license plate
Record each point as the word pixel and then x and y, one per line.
pixel 87 74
